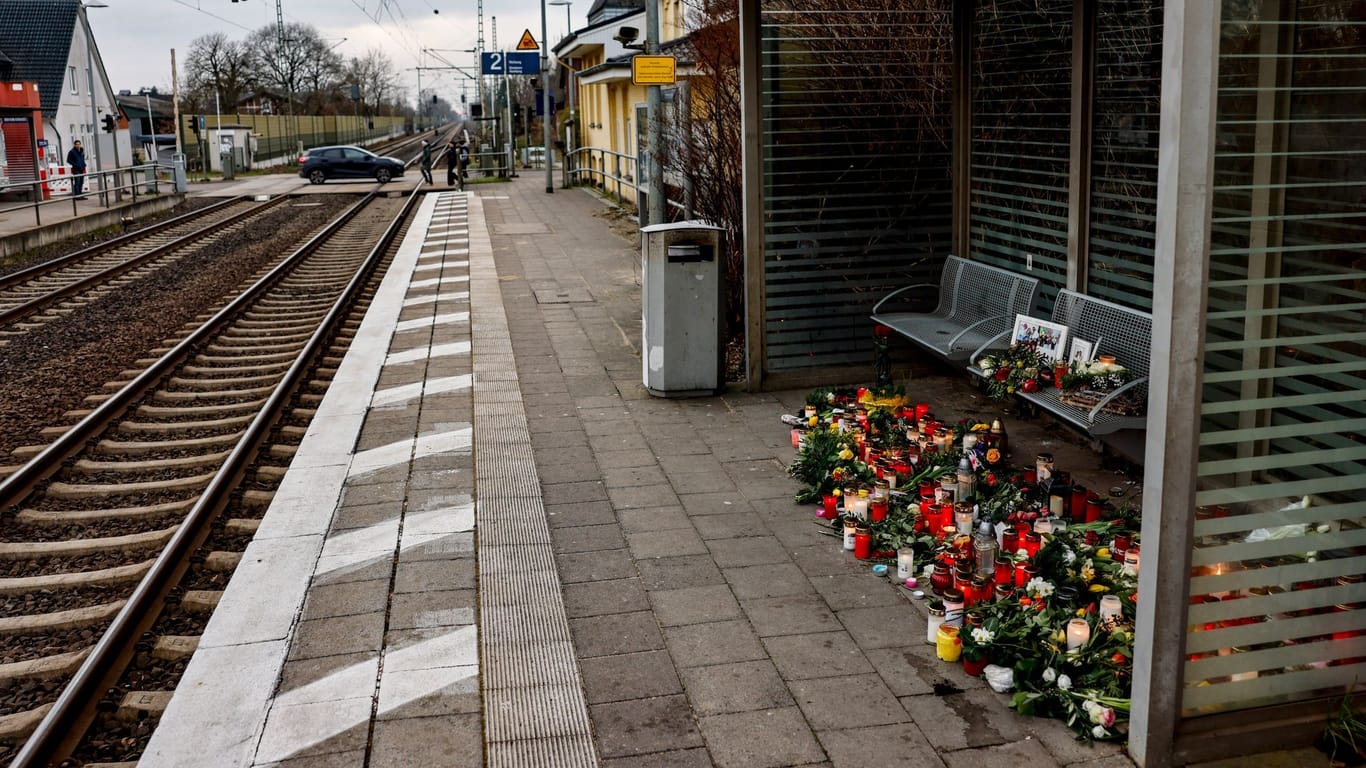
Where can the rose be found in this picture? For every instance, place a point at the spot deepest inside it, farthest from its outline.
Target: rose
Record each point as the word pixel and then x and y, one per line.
pixel 1002 374
pixel 1099 733
pixel 993 456
pixel 1064 682
pixel 1049 675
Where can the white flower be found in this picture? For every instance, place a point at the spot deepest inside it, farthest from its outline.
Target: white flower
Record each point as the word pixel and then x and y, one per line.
pixel 982 636
pixel 1037 587
pixel 1068 556
pixel 1099 732
pixel 1049 675
pixel 1088 571
pixel 1021 554
pixel 1064 682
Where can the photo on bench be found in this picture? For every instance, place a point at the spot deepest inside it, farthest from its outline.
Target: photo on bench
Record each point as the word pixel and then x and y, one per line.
pixel 1048 339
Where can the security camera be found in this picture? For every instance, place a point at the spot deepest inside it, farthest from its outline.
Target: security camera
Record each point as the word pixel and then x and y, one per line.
pixel 626 35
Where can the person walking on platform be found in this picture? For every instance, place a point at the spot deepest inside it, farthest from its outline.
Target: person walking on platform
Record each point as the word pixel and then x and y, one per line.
pixel 453 165
pixel 76 159
pixel 427 161
pixel 464 159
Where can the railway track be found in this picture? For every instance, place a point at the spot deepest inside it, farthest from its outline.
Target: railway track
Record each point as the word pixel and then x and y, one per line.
pixel 35 296
pixel 98 528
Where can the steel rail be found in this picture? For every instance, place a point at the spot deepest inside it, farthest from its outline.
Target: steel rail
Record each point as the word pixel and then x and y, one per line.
pixel 64 725
pixel 14 278
pixel 71 289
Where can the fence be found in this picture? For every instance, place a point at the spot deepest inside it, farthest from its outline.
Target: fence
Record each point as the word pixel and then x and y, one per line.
pixel 108 186
pixel 278 136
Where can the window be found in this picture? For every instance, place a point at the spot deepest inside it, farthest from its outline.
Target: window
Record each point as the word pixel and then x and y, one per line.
pixel 71 75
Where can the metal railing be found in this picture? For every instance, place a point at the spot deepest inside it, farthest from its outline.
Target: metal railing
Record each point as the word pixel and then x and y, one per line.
pixel 588 165
pixel 108 187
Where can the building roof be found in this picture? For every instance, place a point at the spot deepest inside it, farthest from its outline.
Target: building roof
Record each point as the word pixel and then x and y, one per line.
pixel 613 8
pixel 36 35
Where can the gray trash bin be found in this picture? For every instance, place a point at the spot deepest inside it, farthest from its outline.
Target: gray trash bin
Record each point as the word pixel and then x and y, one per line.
pixel 681 309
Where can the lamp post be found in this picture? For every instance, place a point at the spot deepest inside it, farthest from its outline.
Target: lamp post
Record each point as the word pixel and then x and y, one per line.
pixel 546 129
pixel 90 81
pixel 568 24
pixel 570 89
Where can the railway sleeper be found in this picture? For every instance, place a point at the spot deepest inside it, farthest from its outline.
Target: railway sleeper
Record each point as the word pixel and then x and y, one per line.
pixel 122 574
pixel 265 323
pixel 175 647
pixel 21 724
pixel 222 562
pixel 176 411
pixel 220 371
pixel 265 380
pixel 241 526
pixel 156 427
pixel 255 345
pixel 74 618
pixel 65 490
pixel 132 542
pixel 201 600
pixel 275 357
pixel 257 500
pixel 255 392
pixel 138 705
pixel 280 336
pixel 281 451
pixel 141 447
pixel 45 668
pixel 68 516
pixel 267 474
pixel 207 460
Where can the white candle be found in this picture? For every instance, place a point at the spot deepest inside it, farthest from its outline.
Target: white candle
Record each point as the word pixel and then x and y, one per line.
pixel 905 563
pixel 861 505
pixel 1111 611
pixel 1131 561
pixel 1078 633
pixel 1043 525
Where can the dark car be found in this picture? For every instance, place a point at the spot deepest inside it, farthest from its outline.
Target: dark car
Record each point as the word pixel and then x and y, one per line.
pixel 322 163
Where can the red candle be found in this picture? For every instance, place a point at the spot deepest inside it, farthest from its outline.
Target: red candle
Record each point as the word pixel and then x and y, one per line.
pixel 1030 477
pixel 863 542
pixel 920 410
pixel 1005 571
pixel 1032 542
pixel 1010 541
pixel 1094 510
pixel 1023 573
pixel 829 505
pixel 878 510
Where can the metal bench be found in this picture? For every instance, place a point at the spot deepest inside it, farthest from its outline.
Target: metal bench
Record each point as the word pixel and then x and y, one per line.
pixel 977 307
pixel 1112 329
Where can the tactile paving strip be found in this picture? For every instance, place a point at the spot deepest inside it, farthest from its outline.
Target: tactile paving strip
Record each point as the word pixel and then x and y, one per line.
pixel 535 715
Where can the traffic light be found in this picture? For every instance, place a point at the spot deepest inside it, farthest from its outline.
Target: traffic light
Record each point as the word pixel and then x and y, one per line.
pixel 476 110
pixel 109 124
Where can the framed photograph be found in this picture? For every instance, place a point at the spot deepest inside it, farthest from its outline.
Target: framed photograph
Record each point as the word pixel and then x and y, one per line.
pixel 1080 351
pixel 1048 338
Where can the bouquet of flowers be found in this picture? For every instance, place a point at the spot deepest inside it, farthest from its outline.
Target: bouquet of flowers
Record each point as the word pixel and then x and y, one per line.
pixel 1016 369
pixel 1101 375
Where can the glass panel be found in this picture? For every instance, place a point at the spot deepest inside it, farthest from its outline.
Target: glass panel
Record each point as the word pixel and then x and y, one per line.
pixel 1021 133
pixel 856 122
pixel 1125 110
pixel 1277 590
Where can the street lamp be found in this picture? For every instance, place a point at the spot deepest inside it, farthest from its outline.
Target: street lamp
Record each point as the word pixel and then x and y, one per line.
pixel 568 24
pixel 90 81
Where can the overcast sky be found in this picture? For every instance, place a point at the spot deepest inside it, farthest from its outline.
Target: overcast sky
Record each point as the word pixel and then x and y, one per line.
pixel 135 38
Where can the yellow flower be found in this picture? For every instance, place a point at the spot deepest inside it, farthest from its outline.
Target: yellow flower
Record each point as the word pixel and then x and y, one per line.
pixel 980 427
pixel 837 492
pixel 1098 588
pixel 1081 613
pixel 846 454
pixel 1060 636
pixel 1103 553
pixel 814 420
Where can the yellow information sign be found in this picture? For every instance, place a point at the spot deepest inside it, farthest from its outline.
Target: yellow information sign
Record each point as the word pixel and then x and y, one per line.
pixel 654 70
pixel 527 43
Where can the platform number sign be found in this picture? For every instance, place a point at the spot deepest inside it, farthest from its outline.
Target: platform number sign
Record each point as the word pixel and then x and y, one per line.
pixel 510 63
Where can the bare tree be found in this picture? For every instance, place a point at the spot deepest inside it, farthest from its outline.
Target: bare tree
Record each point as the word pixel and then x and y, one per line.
pixel 375 75
pixel 285 65
pixel 216 63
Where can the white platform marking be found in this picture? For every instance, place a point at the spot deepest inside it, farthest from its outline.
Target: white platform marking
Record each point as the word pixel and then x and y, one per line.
pixel 424 353
pixel 406 392
pixel 427 322
pixel 401 452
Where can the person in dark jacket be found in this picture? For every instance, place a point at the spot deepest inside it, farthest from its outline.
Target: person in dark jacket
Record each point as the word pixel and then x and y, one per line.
pixel 427 161
pixel 453 165
pixel 76 159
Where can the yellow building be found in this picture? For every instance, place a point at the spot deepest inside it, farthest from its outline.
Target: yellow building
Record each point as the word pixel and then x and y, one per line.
pixel 608 135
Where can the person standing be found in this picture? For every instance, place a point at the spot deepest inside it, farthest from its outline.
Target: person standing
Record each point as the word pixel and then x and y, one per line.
pixel 453 164
pixel 76 159
pixel 427 161
pixel 464 159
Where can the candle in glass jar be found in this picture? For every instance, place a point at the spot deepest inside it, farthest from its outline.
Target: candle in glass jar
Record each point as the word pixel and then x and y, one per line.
pixel 948 487
pixel 1131 558
pixel 905 563
pixel 1078 634
pixel 962 516
pixel 1111 611
pixel 1043 525
pixel 948 646
pixel 936 619
pixel 1032 543
pixel 849 529
pixel 1043 468
pixel 953 607
pixel 861 504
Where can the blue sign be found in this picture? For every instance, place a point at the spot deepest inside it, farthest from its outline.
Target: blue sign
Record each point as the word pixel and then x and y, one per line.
pixel 515 62
pixel 42 143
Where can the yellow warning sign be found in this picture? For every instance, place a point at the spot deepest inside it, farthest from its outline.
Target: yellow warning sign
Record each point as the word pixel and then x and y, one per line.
pixel 527 43
pixel 653 70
